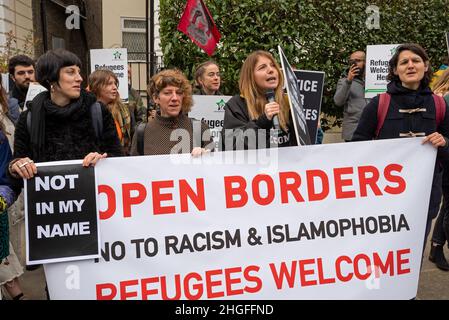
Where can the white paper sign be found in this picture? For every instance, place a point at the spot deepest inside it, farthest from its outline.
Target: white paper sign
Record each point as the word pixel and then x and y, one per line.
pixel 211 110
pixel 115 60
pixel 376 68
pixel 334 221
pixel 33 90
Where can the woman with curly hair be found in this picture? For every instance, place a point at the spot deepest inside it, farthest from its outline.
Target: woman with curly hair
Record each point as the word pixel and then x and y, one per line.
pixel 172 131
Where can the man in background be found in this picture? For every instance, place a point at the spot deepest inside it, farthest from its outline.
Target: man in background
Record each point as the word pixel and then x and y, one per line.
pixel 21 71
pixel 350 94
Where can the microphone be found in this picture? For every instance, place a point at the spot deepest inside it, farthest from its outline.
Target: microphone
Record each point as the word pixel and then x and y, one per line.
pixel 269 94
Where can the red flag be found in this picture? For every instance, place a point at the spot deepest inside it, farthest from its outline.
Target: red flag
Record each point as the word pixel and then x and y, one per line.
pixel 197 23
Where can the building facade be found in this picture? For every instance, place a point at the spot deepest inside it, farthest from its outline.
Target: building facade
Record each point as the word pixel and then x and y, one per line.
pixel 124 26
pixel 16 27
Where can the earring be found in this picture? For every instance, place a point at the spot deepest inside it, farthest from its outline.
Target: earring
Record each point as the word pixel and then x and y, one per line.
pixel 52 89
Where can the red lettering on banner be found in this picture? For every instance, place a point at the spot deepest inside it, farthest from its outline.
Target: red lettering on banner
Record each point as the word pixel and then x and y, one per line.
pixel 186 192
pixel 164 289
pixel 340 276
pixel 366 181
pixel 210 284
pixel 158 197
pixel 401 261
pixel 197 286
pixel 256 189
pixel 384 267
pixel 124 294
pixel 128 200
pixel 229 281
pixel 321 278
pixel 340 183
pixel 112 203
pixel 303 272
pixel 231 191
pixel 263 189
pixel 102 295
pixel 144 287
pixel 400 188
pixel 367 266
pixel 293 187
pixel 284 273
pixel 321 175
pixel 248 277
pixel 215 283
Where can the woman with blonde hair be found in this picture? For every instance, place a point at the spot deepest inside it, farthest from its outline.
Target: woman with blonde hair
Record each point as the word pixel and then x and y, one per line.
pixel 104 84
pixel 171 131
pixel 249 116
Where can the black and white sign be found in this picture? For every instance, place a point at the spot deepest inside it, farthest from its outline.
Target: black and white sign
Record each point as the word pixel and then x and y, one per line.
pixel 294 98
pixel 311 92
pixel 61 213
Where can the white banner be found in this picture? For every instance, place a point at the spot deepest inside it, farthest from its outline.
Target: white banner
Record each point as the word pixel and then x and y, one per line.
pixel 211 110
pixel 336 221
pixel 115 60
pixel 376 68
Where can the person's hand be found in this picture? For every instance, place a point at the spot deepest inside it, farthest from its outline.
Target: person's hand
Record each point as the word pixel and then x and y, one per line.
pixel 353 72
pixel 92 158
pixel 198 152
pixel 436 139
pixel 271 109
pixel 23 168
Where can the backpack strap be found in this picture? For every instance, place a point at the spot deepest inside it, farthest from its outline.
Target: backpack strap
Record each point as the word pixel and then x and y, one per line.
pixel 140 131
pixel 440 108
pixel 97 119
pixel 382 109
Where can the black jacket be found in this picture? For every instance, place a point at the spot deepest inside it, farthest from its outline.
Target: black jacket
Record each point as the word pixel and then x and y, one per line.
pixel 396 123
pixel 241 130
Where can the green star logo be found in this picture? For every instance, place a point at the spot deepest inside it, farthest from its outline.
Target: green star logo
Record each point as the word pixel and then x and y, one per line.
pixel 220 105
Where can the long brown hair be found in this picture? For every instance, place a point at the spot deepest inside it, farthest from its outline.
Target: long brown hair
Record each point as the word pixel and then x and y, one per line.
pixel 442 84
pixel 97 81
pixel 255 96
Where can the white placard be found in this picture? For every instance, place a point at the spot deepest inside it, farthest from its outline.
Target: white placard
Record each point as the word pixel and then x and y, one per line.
pixel 376 68
pixel 115 60
pixel 33 90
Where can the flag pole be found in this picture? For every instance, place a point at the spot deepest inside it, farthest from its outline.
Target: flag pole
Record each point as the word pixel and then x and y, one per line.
pixel 147 49
pixel 152 52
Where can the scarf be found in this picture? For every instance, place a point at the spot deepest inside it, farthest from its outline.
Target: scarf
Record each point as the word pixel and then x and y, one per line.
pixel 41 107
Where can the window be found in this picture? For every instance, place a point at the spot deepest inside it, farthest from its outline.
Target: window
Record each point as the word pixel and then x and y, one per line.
pixel 134 38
